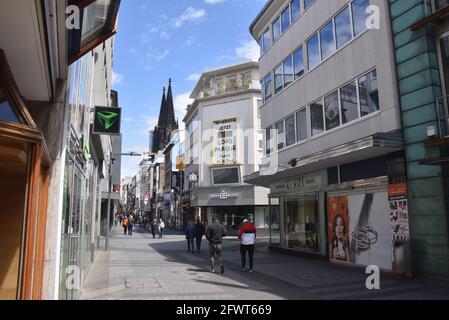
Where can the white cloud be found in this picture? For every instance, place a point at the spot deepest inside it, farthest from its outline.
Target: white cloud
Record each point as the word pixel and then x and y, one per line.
pixel 158 56
pixel 250 50
pixel 164 35
pixel 181 102
pixel 194 77
pixel 190 41
pixel 190 15
pixel 117 79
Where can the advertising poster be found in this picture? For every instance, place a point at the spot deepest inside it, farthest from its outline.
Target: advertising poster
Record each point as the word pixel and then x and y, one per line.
pixel 225 141
pixel 359 229
pixel 397 195
pixel 339 228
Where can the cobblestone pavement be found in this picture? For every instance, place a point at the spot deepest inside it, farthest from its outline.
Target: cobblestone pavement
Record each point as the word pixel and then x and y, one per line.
pixel 139 267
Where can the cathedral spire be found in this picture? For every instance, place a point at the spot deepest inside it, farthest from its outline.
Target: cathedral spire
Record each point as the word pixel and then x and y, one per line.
pixel 170 116
pixel 162 111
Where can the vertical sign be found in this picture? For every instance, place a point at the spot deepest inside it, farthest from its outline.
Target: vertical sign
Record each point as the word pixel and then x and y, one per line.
pixel 225 141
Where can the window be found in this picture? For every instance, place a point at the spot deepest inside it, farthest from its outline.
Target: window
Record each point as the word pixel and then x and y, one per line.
pixel 267 87
pixel 6 110
pixel 278 82
pixel 444 51
pixel 298 60
pixel 316 117
pixel 327 40
pixel 226 175
pixel 288 71
pixel 440 4
pixel 281 134
pixel 349 102
pixel 295 7
pixel 332 111
pixel 369 93
pixel 290 133
pixel 276 29
pixel 265 41
pixel 285 19
pixel 219 86
pixel 301 125
pixel 313 51
pixel 307 3
pixel 268 139
pixel 343 30
pixel 359 15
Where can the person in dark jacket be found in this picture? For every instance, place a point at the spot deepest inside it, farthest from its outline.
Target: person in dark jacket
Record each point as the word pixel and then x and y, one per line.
pixel 190 236
pixel 215 233
pixel 153 229
pixel 199 233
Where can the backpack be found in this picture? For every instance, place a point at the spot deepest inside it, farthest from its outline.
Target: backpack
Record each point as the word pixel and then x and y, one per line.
pixel 125 222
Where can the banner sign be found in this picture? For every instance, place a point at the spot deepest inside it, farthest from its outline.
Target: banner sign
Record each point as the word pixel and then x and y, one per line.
pixel 175 180
pixel 225 141
pixel 107 121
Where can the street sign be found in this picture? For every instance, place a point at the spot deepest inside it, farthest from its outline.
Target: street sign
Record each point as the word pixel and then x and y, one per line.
pixel 107 121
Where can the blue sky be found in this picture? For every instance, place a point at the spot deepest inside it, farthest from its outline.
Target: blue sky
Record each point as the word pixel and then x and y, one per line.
pixel 177 39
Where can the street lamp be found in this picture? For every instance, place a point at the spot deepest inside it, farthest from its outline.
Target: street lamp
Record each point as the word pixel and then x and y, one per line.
pixel 111 160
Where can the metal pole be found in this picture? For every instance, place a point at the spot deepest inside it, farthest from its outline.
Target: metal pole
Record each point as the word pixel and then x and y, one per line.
pixel 109 205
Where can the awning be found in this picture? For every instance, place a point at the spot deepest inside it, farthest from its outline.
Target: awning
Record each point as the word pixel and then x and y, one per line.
pixel 98 23
pixel 370 147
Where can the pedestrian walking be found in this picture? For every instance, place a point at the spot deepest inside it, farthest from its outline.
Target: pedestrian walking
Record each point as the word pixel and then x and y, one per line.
pixel 153 229
pixel 199 233
pixel 161 228
pixel 190 237
pixel 131 222
pixel 248 237
pixel 214 234
pixel 125 225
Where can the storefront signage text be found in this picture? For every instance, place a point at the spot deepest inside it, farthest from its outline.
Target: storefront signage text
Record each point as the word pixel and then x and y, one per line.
pixel 224 195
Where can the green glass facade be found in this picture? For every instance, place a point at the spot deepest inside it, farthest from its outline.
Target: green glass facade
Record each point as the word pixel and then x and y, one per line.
pixel 419 88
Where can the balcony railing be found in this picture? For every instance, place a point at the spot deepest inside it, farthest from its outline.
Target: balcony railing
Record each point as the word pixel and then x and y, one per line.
pixel 229 87
pixel 443 116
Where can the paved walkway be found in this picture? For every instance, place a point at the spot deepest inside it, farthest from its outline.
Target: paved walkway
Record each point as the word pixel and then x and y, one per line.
pixel 139 267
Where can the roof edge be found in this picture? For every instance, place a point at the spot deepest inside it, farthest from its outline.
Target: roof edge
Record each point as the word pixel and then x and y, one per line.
pixel 259 16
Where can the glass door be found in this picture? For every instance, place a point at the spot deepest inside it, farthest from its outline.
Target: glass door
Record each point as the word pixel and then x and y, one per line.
pixel 275 222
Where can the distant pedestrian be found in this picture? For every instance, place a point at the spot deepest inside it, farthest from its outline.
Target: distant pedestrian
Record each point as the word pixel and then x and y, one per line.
pixel 190 237
pixel 153 227
pixel 131 223
pixel 125 225
pixel 248 236
pixel 199 233
pixel 161 228
pixel 215 233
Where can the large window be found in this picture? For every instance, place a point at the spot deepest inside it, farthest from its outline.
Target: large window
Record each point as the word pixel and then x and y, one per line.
pixel 278 81
pixel 349 103
pixel 316 116
pixel 301 125
pixel 302 223
pixel 288 71
pixel 343 30
pixel 369 93
pixel 226 175
pixel 295 7
pixel 359 15
pixel 275 222
pixel 298 60
pixel 313 51
pixel 290 132
pixel 327 40
pixel 332 111
pixel 265 42
pixel 266 87
pixel 281 135
pixel 285 19
pixel 276 29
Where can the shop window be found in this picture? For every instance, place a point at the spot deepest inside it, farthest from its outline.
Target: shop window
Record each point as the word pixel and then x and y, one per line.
pixel 349 102
pixel 369 93
pixel 275 222
pixel 332 111
pixel 302 223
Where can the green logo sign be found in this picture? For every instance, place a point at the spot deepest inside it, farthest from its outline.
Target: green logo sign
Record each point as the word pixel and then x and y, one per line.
pixel 107 121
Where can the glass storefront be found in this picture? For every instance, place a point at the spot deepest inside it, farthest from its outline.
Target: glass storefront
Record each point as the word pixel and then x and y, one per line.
pixel 275 222
pixel 301 223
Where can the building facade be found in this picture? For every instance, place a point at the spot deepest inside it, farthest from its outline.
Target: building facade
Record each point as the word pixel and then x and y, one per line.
pixel 340 159
pixel 333 142
pixel 223 144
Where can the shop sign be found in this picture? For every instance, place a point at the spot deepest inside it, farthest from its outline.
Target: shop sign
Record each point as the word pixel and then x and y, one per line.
pixel 146 198
pixel 225 141
pixel 175 180
pixel 193 177
pixel 180 163
pixel 296 183
pixel 224 195
pixel 107 121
